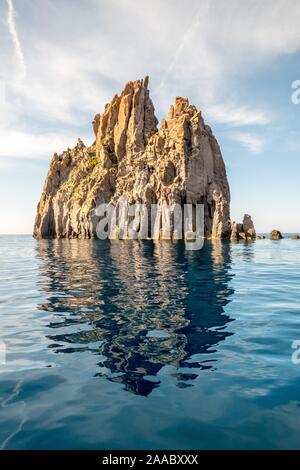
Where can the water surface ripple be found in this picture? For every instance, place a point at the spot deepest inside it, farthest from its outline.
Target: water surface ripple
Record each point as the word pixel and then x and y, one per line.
pixel 146 345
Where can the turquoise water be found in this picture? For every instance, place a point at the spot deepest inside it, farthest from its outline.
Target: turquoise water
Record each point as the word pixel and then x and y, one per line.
pixel 129 345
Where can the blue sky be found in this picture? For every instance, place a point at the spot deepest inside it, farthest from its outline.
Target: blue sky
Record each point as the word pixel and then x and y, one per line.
pixel 62 60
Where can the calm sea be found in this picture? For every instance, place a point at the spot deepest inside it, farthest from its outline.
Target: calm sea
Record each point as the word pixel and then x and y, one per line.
pixel 142 345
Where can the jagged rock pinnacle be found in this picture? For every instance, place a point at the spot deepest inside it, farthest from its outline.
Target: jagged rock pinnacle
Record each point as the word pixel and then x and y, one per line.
pixel 179 162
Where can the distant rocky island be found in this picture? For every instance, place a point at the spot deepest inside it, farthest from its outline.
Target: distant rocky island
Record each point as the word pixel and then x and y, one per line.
pixel 179 162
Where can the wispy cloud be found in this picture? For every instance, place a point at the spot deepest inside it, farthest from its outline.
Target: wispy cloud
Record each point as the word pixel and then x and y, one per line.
pixel 15 38
pixel 18 144
pixel 237 116
pixel 250 141
pixel 77 65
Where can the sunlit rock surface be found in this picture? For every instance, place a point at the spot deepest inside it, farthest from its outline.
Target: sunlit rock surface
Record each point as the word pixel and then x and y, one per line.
pixel 178 162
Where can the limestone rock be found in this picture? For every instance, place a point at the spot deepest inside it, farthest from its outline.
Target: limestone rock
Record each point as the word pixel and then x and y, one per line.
pixel 275 235
pixel 295 237
pixel 180 162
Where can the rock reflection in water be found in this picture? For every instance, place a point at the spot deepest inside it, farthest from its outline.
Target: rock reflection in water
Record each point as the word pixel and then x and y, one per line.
pixel 139 305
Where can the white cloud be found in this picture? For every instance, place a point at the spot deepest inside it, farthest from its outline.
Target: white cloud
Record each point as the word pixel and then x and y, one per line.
pixel 200 52
pixel 250 141
pixel 25 145
pixel 236 116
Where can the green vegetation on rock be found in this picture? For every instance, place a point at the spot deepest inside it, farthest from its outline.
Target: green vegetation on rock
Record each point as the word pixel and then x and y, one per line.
pixel 92 163
pixel 93 159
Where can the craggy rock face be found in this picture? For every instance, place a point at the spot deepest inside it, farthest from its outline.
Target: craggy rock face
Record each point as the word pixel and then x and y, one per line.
pixel 181 162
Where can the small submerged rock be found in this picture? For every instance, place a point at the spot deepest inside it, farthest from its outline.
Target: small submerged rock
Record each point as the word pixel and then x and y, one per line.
pixel 260 237
pixel 276 235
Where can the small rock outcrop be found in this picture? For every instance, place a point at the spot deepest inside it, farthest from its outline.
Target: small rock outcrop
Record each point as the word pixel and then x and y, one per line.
pixel 244 231
pixel 295 237
pixel 179 162
pixel 276 235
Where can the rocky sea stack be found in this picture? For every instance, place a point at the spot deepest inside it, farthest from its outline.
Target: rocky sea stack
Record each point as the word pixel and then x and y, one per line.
pixel 179 162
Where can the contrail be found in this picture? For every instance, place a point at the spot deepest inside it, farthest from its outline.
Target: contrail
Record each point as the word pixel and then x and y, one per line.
pixel 185 38
pixel 15 37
